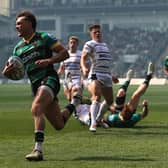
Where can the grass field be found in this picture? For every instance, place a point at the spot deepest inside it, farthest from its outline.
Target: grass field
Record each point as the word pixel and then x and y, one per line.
pixel 144 146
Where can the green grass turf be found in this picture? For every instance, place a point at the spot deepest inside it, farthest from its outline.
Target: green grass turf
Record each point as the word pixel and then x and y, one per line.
pixel 145 145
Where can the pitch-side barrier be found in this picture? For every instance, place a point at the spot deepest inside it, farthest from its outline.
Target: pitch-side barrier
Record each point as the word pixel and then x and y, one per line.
pixel 154 81
pixel 134 81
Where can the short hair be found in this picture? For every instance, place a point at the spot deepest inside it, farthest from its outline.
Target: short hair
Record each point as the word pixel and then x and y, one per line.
pixel 74 38
pixel 29 16
pixel 94 26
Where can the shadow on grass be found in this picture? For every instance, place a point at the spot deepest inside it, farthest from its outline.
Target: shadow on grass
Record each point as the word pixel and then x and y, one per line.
pixel 151 126
pixel 137 130
pixel 106 158
pixel 111 158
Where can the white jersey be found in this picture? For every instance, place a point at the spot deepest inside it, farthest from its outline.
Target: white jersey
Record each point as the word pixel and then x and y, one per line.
pixel 72 65
pixel 100 57
pixel 72 70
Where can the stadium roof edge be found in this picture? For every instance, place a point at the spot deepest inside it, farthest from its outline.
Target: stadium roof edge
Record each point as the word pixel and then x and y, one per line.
pixel 100 9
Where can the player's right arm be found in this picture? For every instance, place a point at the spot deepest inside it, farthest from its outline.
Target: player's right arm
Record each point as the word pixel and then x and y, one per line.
pixel 61 55
pixel 56 47
pixel 84 64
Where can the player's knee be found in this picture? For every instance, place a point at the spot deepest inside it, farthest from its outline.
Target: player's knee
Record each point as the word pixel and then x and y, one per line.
pixel 36 110
pixel 121 93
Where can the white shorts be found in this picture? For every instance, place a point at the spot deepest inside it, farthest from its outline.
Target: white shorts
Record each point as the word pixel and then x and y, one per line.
pixel 104 78
pixel 75 82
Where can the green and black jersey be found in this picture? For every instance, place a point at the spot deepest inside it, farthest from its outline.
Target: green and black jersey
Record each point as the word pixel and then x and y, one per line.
pixel 114 120
pixel 39 47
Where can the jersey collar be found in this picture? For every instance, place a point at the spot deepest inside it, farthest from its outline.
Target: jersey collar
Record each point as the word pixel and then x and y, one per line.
pixel 28 40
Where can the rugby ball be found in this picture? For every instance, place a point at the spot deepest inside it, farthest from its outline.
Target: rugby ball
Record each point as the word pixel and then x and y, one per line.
pixel 19 70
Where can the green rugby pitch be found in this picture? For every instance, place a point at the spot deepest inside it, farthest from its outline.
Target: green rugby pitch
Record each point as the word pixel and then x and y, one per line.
pixel 144 146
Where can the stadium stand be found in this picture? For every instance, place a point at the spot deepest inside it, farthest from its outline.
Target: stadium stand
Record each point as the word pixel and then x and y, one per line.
pixel 131 46
pixel 148 45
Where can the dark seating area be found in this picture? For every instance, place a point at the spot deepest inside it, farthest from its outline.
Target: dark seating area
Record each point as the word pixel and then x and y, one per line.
pixel 148 45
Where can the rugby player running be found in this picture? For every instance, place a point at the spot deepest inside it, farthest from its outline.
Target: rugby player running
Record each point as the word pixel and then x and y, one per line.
pixel 99 74
pixel 36 51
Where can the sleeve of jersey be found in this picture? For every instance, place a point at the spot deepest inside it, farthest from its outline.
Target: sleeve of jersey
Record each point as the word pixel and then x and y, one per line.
pixel 51 41
pixel 88 47
pixel 15 51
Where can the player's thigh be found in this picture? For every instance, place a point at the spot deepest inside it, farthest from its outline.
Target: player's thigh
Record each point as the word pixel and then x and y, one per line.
pixel 95 87
pixel 41 101
pixel 107 93
pixel 43 97
pixel 134 101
